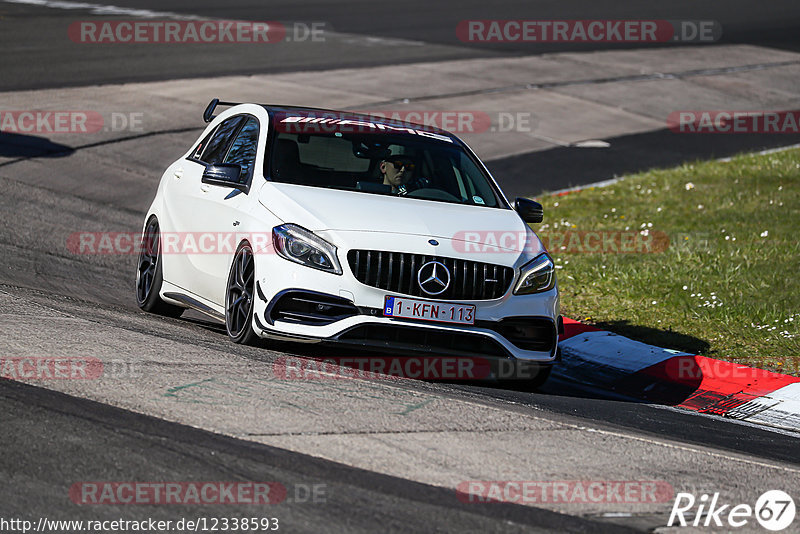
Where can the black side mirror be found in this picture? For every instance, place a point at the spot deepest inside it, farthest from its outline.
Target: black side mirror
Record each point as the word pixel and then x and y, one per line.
pixel 530 210
pixel 224 174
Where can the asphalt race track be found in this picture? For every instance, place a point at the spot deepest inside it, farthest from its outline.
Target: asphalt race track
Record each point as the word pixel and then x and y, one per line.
pixel 385 455
pixel 370 33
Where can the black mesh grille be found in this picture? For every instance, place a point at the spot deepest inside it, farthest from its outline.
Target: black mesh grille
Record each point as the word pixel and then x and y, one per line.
pixel 396 272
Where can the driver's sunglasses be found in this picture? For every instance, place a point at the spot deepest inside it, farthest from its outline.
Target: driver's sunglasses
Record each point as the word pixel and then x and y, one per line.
pixel 400 163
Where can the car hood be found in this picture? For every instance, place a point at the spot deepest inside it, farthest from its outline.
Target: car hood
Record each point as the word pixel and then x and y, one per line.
pixel 319 209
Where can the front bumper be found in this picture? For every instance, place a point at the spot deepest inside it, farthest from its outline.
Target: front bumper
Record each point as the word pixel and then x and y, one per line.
pixel 354 314
pixel 314 316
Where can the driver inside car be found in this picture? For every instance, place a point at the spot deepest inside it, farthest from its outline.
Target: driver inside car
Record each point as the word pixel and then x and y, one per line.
pixel 398 172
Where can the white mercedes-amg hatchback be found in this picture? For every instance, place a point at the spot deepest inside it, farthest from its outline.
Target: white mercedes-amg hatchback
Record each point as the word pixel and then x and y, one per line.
pixel 323 226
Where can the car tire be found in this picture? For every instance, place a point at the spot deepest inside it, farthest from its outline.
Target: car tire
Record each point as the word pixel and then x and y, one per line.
pixel 239 296
pixel 149 276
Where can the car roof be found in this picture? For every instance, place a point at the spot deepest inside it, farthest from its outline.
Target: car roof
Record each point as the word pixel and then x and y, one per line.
pixel 349 115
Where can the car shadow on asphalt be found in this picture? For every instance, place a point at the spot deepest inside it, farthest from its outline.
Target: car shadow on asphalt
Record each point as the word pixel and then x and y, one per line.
pixel 668 383
pixel 597 406
pixel 14 145
pixel 667 339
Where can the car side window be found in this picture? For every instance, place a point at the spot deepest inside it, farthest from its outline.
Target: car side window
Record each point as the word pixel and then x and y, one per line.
pixel 217 147
pixel 243 149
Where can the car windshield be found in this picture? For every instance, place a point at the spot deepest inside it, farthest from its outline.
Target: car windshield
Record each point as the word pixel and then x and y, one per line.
pixel 385 160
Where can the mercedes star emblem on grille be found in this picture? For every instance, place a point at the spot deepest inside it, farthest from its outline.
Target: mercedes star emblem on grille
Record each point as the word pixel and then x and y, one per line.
pixel 433 278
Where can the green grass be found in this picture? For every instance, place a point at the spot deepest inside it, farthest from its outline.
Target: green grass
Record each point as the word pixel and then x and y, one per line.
pixel 720 288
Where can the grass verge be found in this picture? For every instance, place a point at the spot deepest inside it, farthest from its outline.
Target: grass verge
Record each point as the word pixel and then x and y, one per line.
pixel 725 285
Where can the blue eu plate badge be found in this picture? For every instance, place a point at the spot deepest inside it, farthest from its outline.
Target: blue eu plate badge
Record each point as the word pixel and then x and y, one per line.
pixel 388 307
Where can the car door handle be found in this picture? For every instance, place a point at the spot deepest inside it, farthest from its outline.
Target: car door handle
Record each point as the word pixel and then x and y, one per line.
pixel 178 173
pixel 204 188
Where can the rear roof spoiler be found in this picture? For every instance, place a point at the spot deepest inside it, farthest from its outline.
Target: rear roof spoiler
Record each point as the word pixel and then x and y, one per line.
pixel 208 114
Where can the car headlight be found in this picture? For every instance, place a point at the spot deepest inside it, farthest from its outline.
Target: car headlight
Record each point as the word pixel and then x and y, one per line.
pixel 537 275
pixel 297 244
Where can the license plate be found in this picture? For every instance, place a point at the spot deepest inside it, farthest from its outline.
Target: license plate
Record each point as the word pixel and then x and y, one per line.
pixel 425 310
